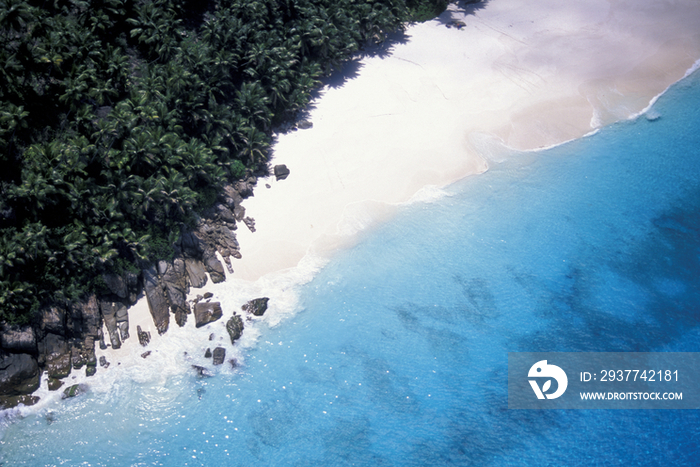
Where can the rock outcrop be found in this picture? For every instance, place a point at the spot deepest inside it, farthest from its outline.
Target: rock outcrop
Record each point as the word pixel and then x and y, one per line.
pixel 257 306
pixel 144 337
pixel 157 303
pixel 234 327
pixel 205 313
pixel 63 336
pixel 19 374
pixel 219 356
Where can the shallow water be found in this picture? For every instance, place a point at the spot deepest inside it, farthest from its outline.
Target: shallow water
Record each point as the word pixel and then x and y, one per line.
pixel 398 353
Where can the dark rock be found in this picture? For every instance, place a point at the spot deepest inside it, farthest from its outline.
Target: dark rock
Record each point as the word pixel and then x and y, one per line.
pixel 145 354
pixel 90 313
pixel 202 372
pixel 211 336
pixel 103 362
pixel 58 356
pixel 109 315
pixel 157 303
pixel 239 212
pixel 122 316
pixel 245 187
pixel 214 268
pixel 19 339
pixel 234 327
pixel 174 280
pixel 190 245
pixel 205 313
pixel 115 283
pixel 75 390
pixel 257 306
pixel 83 318
pixel 207 354
pixel 101 338
pixel 19 374
pixel 10 402
pixel 225 214
pixel 281 172
pixel 213 237
pixel 250 223
pixel 91 369
pixel 219 355
pixel 233 362
pixel 53 319
pixel 196 273
pixel 77 358
pixel 133 284
pixel 144 337
pixel 207 295
pixel 55 384
pixel 304 125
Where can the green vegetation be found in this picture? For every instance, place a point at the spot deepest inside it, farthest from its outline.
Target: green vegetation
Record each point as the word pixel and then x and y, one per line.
pixel 122 119
pixel 424 10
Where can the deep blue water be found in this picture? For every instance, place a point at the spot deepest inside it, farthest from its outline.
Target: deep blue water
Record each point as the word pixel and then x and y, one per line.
pixel 398 356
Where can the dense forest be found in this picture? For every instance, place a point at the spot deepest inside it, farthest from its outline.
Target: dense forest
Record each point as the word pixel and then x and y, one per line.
pixel 121 120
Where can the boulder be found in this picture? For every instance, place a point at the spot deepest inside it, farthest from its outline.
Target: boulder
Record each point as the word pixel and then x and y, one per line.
pixel 224 214
pixel 103 362
pixel 250 223
pixel 176 289
pixel 201 371
pixel 19 374
pixel 257 306
pixel 207 354
pixel 110 310
pixel 214 268
pixel 219 355
pixel 234 327
pixel 116 284
pixel 90 312
pixel 144 337
pixel 205 313
pixel 123 327
pixel 75 390
pixel 54 384
pixel 9 402
pixel 145 354
pixel 304 125
pixel 77 357
pixel 216 236
pixel 58 356
pixel 53 319
pixel 18 339
pixel 196 273
pixel 281 172
pixel 157 303
pixel 90 369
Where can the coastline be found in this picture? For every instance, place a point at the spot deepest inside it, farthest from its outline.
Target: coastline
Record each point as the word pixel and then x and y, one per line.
pixel 448 101
pixel 366 153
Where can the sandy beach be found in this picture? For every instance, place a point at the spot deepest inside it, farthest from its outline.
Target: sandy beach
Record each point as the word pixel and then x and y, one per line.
pixel 443 103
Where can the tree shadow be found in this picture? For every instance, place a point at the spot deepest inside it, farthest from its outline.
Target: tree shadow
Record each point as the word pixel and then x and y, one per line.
pixel 461 8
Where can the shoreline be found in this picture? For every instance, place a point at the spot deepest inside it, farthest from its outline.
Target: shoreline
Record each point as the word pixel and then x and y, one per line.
pixel 514 78
pixel 335 193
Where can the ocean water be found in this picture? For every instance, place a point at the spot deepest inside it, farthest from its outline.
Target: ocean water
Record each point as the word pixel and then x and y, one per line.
pixel 397 354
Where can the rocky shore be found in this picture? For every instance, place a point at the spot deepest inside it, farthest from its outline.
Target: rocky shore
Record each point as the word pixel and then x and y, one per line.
pixel 63 336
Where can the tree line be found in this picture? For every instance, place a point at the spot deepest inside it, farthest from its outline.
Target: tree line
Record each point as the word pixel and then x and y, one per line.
pixel 121 120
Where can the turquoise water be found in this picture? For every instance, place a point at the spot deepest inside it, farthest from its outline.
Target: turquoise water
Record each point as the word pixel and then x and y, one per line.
pixel 398 355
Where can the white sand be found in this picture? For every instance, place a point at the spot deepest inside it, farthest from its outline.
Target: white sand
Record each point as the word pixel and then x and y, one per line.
pixel 525 74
